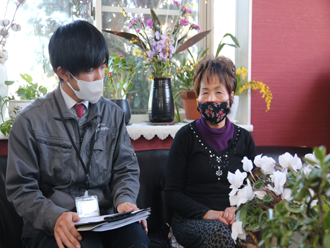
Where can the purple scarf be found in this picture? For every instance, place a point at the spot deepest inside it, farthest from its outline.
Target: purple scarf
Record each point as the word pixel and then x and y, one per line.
pixel 217 138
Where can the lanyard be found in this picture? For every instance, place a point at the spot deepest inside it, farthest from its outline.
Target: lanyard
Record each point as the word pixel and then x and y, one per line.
pixel 86 168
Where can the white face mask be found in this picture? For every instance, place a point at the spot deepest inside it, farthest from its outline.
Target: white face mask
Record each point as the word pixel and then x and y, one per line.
pixel 88 91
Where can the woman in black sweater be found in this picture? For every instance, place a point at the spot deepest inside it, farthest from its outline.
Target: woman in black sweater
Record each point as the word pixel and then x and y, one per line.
pixel 202 154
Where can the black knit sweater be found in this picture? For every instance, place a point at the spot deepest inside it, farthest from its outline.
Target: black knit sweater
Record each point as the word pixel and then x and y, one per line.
pixel 196 179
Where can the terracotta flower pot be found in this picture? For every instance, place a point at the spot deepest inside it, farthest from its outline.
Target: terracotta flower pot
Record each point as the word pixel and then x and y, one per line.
pixel 190 104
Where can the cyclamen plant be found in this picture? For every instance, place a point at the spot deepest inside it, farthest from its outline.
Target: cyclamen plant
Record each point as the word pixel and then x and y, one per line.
pixel 265 188
pixel 159 44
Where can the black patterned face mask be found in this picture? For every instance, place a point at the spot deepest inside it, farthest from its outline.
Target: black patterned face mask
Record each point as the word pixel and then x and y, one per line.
pixel 213 112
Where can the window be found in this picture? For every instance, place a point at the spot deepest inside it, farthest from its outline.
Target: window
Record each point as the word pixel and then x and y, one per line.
pixel 28 48
pixel 113 19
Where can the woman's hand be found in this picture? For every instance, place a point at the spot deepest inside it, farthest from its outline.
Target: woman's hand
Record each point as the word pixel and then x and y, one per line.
pixel 126 207
pixel 229 215
pixel 215 215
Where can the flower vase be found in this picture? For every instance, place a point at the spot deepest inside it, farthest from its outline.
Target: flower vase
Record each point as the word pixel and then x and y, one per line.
pixel 3 86
pixel 161 105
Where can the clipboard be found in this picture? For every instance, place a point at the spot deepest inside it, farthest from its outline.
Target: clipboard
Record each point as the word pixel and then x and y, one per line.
pixel 112 221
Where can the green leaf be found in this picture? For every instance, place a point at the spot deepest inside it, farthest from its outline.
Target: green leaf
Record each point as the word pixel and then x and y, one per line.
pixel 293 207
pixel 220 46
pixel 258 184
pixel 156 23
pixel 129 37
pixel 267 198
pixel 5 127
pixel 326 220
pixel 27 78
pixel 233 38
pixel 9 82
pixel 192 41
pixel 21 93
pixel 262 219
pixel 293 224
pixel 320 152
pixel 43 90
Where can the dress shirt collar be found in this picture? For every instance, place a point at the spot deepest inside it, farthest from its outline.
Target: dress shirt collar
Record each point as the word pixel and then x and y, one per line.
pixel 69 102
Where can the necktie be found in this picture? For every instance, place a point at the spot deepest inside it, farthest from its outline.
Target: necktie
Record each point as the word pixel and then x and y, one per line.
pixel 79 109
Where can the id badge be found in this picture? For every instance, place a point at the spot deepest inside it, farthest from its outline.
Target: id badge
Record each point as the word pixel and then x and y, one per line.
pixel 87 206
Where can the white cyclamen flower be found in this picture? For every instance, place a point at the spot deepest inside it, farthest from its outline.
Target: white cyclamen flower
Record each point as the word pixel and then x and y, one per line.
pixel 15 27
pixel 311 157
pixel 260 194
pixel 307 169
pixel 285 160
pixel 237 231
pixel 4 22
pixel 277 191
pixel 296 163
pixel 236 180
pixel 247 165
pixel 286 195
pixel 243 195
pixel 278 178
pixel 266 164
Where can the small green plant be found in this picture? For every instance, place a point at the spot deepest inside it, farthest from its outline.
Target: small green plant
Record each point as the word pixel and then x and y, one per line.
pixel 120 73
pixel 5 127
pixel 31 91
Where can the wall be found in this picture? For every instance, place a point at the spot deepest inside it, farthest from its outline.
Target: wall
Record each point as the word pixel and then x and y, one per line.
pixel 291 54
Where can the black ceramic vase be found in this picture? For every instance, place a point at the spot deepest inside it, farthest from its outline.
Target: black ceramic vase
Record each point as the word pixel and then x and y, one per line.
pixel 124 105
pixel 161 105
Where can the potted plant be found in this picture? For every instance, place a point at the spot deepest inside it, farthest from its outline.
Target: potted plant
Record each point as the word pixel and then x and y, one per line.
pixel 27 93
pixel 282 200
pixel 185 86
pixel 159 44
pixel 244 87
pixel 312 190
pixel 120 72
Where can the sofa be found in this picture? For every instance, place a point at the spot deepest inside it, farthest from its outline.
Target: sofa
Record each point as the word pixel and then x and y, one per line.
pixel 152 179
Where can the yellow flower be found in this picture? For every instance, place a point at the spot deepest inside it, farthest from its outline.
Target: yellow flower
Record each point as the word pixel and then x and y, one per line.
pixel 137 52
pixel 264 90
pixel 242 71
pixel 169 75
pixel 119 6
pixel 151 78
pixel 192 5
pixel 188 5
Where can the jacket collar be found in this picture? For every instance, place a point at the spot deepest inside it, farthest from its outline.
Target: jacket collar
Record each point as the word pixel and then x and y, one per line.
pixel 93 110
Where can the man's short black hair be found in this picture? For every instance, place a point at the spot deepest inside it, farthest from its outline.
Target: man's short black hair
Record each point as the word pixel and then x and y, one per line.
pixel 77 47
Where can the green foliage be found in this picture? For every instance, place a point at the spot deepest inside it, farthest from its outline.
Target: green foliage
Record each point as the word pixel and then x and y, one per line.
pixel 31 91
pixel 312 218
pixel 5 127
pixel 4 101
pixel 120 73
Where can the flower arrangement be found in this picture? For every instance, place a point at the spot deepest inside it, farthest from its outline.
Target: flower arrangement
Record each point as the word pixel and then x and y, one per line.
pixel 158 44
pixel 253 85
pixel 5 25
pixel 120 72
pixel 283 199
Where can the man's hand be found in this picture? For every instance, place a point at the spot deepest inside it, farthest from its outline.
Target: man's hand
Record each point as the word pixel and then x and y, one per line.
pixel 215 215
pixel 65 232
pixel 126 207
pixel 229 215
